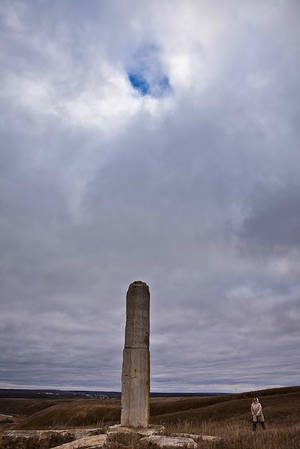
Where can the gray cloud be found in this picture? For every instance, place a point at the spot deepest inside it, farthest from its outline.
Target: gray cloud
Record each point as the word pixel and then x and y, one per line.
pixel 195 192
pixel 274 219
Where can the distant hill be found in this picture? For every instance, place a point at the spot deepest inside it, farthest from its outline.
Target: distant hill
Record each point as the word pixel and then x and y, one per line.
pixel 85 394
pixel 57 394
pixel 280 405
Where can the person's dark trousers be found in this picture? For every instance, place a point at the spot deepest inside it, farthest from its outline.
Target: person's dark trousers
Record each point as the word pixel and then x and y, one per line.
pixel 261 423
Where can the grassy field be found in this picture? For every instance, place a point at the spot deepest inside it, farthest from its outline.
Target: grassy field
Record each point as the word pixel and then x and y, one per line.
pixel 238 435
pixel 225 416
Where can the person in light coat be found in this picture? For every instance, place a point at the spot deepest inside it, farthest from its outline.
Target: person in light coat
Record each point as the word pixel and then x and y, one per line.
pixel 257 414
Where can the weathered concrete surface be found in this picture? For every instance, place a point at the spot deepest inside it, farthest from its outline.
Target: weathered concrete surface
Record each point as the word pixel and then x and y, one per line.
pixel 136 358
pixel 196 437
pixel 162 441
pixel 44 439
pixel 129 436
pixel 85 443
pixel 146 431
pixel 211 438
pixel 76 432
pixel 34 438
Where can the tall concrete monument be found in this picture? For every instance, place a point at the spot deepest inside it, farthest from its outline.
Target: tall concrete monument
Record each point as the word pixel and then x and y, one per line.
pixel 136 358
pixel 135 428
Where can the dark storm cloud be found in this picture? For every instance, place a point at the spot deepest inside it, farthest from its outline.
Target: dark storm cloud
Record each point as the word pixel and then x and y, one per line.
pixel 194 192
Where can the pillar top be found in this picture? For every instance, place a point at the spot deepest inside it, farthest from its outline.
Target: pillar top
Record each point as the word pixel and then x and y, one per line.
pixel 138 284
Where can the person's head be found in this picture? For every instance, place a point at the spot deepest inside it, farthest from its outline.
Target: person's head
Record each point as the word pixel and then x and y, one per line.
pixel 255 400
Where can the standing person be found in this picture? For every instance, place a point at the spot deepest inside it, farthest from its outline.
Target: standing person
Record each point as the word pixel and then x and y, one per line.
pixel 257 414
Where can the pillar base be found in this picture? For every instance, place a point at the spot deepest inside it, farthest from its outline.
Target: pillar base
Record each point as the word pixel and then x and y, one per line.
pixel 129 435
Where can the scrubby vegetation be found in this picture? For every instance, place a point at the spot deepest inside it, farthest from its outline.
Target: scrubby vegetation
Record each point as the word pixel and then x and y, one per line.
pixel 280 408
pixel 224 416
pixel 74 414
pixel 18 406
pixel 229 418
pixel 239 435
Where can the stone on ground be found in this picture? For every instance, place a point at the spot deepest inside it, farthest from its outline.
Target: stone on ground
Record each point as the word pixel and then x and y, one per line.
pixel 129 436
pixel 210 438
pixel 93 442
pixel 161 441
pixel 197 437
pixel 18 439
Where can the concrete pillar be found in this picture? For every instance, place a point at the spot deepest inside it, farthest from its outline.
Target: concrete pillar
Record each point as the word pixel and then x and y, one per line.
pixel 136 358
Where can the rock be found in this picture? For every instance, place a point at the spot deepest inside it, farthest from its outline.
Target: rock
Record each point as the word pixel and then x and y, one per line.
pixel 44 439
pixel 210 438
pixel 30 439
pixel 161 441
pixel 153 436
pixel 142 431
pixel 197 437
pixel 84 443
pixel 129 436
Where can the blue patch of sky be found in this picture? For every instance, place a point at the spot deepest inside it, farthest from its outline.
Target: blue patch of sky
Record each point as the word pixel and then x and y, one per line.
pixel 146 75
pixel 139 83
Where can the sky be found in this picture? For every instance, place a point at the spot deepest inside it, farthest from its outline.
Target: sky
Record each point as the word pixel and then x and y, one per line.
pixel 154 141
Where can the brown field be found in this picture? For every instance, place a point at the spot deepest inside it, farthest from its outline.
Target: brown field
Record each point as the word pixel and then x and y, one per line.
pixel 225 416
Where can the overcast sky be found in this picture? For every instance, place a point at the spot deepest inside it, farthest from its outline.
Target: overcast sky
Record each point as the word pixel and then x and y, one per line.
pixel 157 141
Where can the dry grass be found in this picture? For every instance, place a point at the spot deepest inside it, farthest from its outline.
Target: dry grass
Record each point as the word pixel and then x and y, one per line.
pixel 280 406
pixel 283 407
pixel 231 420
pixel 240 436
pixel 234 436
pixel 76 413
pixel 18 406
pixel 224 416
